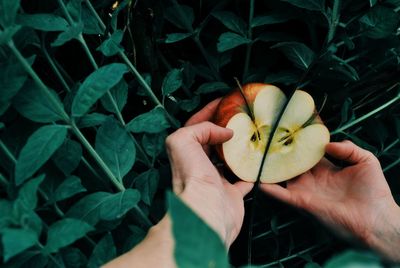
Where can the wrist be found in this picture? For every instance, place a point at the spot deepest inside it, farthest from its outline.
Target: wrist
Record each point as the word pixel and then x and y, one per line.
pixel 384 234
pixel 156 250
pixel 202 200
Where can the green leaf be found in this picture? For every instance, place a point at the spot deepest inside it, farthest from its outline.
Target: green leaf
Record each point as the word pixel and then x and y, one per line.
pixel 33 103
pixel 111 46
pixel 172 82
pixel 351 258
pixel 147 183
pixel 137 236
pixel 380 22
pixel 12 78
pixel 17 240
pixel 347 114
pixel 8 12
pixel 74 8
pixel 3 107
pixel 68 188
pixel 73 257
pixel 65 232
pixel 120 94
pixel 153 144
pixel 232 22
pixel 116 147
pixel 298 53
pixel 72 32
pixel 91 120
pixel 176 37
pixel 372 2
pixel 211 87
pixel 230 40
pixel 154 121
pixel 316 5
pixel 190 104
pixel 68 156
pixel 90 23
pixel 96 85
pixel 173 15
pixel 8 34
pixel 114 18
pixel 6 214
pixel 27 195
pixel 43 22
pixel 273 18
pixel 104 206
pixel 196 244
pixel 342 66
pixel 38 149
pixel 103 252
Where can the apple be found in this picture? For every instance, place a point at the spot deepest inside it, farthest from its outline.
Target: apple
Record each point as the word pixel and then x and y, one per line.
pixel 299 141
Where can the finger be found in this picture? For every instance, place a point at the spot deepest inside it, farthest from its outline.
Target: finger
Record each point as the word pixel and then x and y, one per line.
pixel 244 187
pixel 349 152
pixel 207 133
pixel 277 191
pixel 323 165
pixel 204 114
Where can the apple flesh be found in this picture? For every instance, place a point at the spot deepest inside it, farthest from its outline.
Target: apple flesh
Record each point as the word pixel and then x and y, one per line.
pixel 298 144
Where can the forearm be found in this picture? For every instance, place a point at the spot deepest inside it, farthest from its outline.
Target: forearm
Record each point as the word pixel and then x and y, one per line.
pixel 384 237
pixel 156 250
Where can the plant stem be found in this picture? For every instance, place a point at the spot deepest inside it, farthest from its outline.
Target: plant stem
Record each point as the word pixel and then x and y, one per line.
pixel 89 54
pixel 249 45
pixel 391 165
pixel 54 68
pixel 143 216
pixel 49 255
pixel 334 21
pixel 291 256
pixel 362 118
pixel 3 180
pixel 94 154
pixel 65 11
pixel 207 57
pixel 94 12
pixel 390 146
pixel 132 68
pixel 89 166
pixel 286 224
pixel 65 116
pixel 38 81
pixel 8 153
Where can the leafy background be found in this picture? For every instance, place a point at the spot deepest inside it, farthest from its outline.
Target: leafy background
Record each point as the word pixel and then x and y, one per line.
pixel 90 89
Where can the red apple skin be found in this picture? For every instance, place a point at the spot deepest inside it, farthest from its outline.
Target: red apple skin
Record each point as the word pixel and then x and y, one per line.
pixel 234 103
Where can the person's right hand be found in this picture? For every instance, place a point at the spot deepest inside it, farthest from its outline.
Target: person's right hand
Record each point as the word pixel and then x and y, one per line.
pixel 355 199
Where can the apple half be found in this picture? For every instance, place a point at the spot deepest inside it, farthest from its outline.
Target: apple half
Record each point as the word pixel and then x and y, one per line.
pixel 299 141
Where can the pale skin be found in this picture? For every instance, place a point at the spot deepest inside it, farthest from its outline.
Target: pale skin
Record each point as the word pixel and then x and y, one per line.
pixel 355 200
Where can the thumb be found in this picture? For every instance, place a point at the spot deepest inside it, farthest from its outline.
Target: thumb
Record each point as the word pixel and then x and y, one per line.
pixel 349 152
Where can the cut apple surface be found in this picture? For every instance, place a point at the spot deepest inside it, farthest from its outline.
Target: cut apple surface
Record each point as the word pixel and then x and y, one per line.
pixel 299 141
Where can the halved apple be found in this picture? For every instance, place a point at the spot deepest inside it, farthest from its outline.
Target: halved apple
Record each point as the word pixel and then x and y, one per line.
pixel 299 141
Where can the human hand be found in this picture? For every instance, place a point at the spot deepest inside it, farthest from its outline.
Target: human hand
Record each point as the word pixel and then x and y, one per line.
pixel 198 182
pixel 355 199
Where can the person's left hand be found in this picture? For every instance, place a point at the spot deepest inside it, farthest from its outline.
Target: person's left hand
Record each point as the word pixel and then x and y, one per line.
pixel 198 182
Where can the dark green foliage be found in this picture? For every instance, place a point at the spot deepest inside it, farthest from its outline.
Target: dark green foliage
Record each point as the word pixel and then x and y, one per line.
pixel 197 245
pixel 87 100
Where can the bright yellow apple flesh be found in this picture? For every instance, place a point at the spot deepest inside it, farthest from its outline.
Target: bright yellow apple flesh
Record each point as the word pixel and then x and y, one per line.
pixel 296 147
